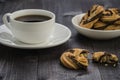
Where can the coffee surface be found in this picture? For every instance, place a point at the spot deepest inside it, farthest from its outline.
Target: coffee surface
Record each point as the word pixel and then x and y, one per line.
pixel 33 18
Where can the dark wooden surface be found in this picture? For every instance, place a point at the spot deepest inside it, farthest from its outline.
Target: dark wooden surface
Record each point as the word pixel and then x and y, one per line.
pixel 44 64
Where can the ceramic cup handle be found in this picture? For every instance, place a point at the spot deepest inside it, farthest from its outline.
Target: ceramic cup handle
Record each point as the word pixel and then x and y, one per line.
pixel 6 19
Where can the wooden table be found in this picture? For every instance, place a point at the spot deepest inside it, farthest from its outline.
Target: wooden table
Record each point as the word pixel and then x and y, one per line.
pixel 44 64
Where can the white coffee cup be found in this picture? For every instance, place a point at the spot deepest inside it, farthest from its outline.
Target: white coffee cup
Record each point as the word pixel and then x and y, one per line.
pixel 30 32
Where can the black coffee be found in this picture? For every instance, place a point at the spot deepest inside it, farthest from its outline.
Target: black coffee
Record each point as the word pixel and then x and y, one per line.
pixel 32 18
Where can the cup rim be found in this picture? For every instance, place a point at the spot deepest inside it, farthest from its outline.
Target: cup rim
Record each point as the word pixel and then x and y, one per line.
pixel 52 18
pixel 79 27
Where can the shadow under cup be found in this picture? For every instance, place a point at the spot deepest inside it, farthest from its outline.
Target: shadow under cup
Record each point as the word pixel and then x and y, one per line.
pixel 34 31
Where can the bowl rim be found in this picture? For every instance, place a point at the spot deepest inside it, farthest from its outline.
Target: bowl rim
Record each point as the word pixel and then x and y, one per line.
pixel 81 15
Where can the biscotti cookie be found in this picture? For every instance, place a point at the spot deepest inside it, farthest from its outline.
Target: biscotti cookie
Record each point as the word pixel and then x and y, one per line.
pixel 92 16
pixel 75 58
pixel 105 58
pixel 117 22
pixel 99 25
pixel 109 15
pixel 112 27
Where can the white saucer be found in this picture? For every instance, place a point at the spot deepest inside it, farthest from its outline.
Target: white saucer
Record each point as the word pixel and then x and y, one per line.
pixel 61 35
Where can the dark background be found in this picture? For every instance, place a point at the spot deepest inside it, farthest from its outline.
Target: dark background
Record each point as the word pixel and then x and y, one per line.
pixel 44 64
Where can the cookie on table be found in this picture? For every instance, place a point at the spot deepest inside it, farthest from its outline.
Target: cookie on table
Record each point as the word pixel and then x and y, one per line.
pixel 92 16
pixel 105 58
pixel 75 58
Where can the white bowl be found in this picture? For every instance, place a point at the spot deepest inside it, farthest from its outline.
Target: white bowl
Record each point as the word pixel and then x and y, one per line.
pixel 96 34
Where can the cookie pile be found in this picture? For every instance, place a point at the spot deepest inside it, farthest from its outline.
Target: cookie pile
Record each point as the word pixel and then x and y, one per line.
pixel 76 58
pixel 99 18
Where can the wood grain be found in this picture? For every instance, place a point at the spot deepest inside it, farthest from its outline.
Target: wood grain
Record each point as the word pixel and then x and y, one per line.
pixel 44 64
